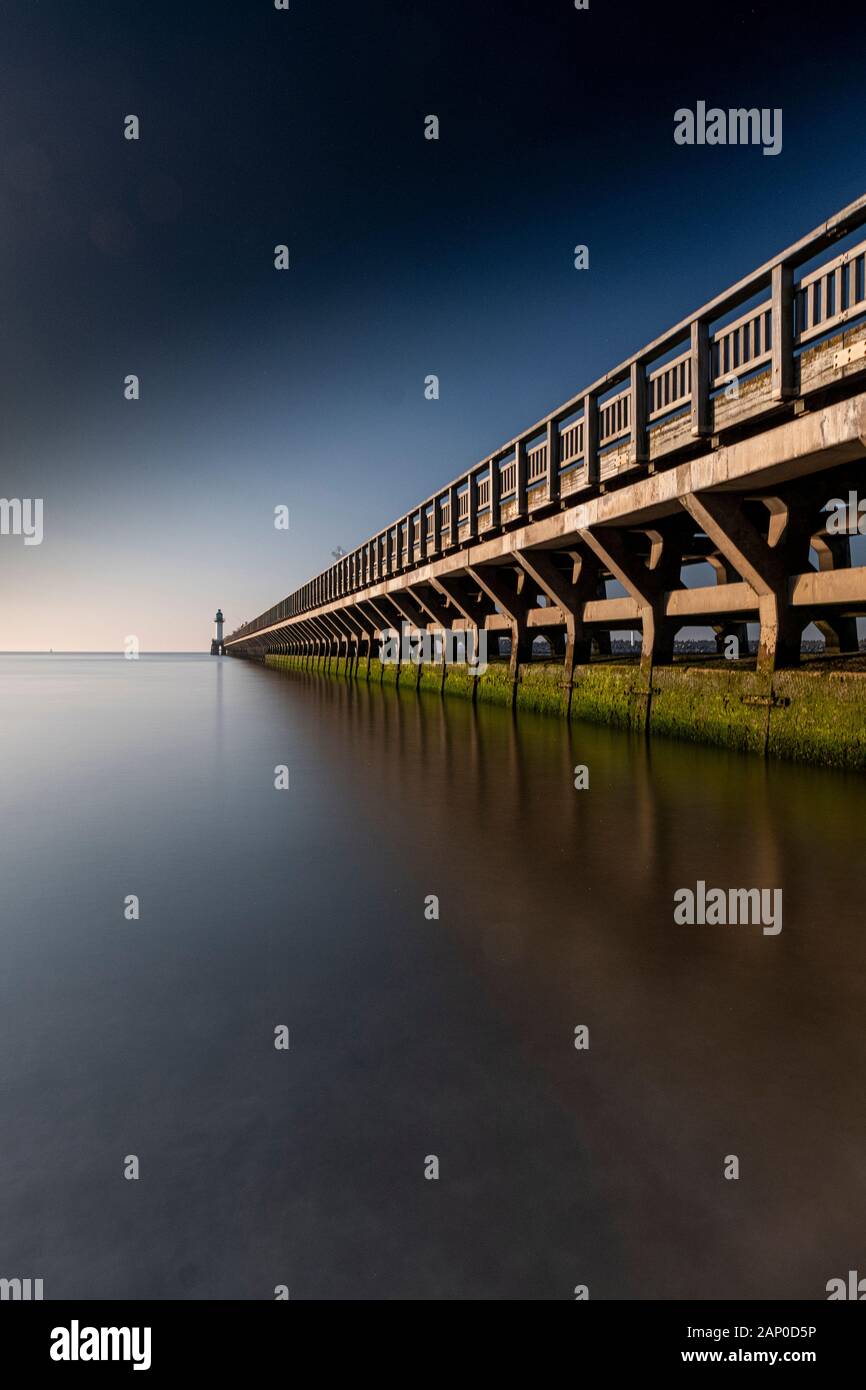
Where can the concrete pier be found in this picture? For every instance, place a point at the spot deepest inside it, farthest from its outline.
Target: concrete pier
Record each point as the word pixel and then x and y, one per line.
pixel 727 443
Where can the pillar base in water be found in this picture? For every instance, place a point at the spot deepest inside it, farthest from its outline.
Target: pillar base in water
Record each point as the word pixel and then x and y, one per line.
pixel 816 716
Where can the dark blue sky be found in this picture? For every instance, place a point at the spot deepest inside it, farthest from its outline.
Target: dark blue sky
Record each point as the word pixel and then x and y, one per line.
pixel 408 257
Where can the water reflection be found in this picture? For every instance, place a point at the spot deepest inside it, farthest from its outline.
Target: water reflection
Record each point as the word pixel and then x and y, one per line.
pixel 412 1037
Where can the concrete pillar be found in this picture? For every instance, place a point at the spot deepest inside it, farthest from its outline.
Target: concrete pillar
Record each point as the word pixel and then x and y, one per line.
pixel 570 594
pixel 646 585
pixel 471 602
pixel 507 589
pixel 721 517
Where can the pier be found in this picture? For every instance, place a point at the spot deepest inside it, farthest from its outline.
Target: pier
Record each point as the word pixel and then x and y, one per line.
pixel 726 441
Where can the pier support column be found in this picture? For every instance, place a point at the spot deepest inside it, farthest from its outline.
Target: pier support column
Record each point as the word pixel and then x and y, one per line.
pixel 327 641
pixel 760 563
pixel 644 581
pixel 340 638
pixel 386 617
pixel 506 587
pixel 310 635
pixel 472 604
pixel 318 643
pixel 647 562
pixel 301 630
pixel 730 627
pixel 839 631
pixel 328 631
pixel 367 637
pixel 322 641
pixel 412 612
pixel 570 595
pixel 350 633
pixel 353 641
pixel 440 612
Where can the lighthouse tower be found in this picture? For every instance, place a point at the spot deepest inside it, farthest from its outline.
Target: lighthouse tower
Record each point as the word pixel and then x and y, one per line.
pixel 216 646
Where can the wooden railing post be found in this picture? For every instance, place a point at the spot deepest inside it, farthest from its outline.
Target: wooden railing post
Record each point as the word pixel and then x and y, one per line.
pixel 553 451
pixel 452 512
pixel 590 438
pixel 783 332
pixel 520 476
pixel 700 371
pixel 639 441
pixel 495 491
pixel 437 525
pixel 472 509
pixel 422 533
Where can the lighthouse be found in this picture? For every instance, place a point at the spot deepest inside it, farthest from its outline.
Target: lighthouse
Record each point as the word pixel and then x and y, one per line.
pixel 216 646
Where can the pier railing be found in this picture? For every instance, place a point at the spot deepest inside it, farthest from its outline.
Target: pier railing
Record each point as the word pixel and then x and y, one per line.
pixel 660 400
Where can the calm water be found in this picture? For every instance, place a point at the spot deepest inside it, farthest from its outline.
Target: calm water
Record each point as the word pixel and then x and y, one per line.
pixel 412 1037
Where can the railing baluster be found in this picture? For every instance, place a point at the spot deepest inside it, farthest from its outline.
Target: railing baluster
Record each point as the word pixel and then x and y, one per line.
pixel 782 369
pixel 520 477
pixel 700 377
pixel 639 450
pixel 553 450
pixel 454 513
pixel 495 491
pixel 472 507
pixel 590 437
